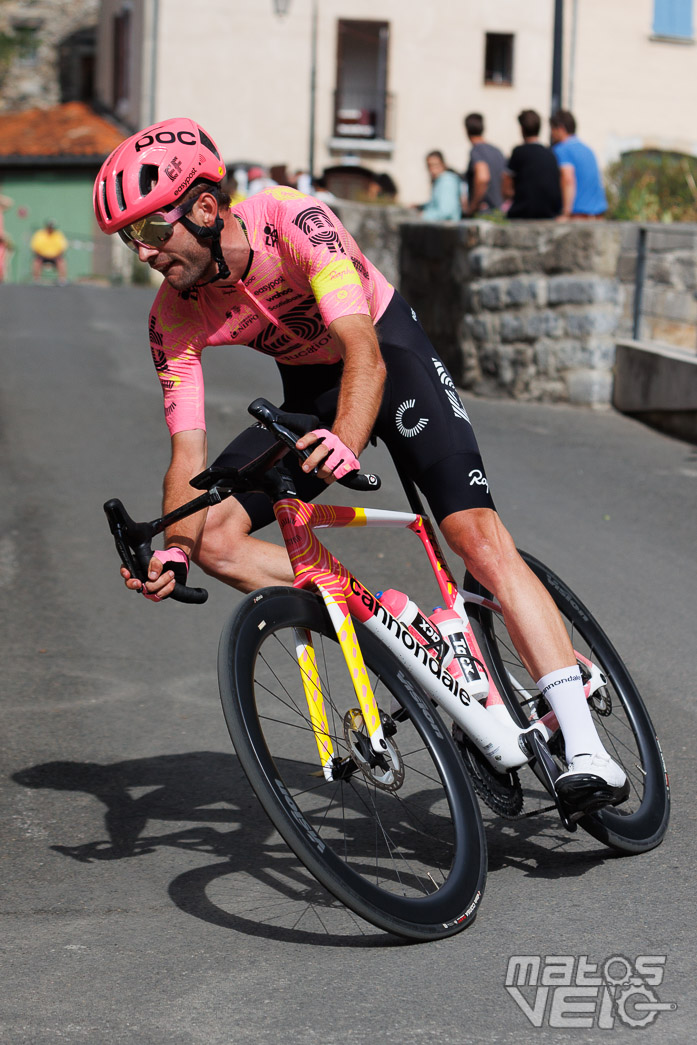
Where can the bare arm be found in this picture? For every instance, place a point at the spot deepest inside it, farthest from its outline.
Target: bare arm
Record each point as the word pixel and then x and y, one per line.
pixel 507 185
pixel 361 389
pixel 567 178
pixel 189 450
pixel 480 183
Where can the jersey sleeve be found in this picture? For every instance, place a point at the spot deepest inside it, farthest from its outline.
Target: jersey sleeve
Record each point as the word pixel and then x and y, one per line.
pixel 314 240
pixel 176 343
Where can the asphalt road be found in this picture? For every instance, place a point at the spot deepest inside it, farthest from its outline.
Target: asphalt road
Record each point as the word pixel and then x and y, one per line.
pixel 145 898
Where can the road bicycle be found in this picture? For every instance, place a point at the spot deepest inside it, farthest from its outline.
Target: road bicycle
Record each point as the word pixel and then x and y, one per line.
pixel 335 699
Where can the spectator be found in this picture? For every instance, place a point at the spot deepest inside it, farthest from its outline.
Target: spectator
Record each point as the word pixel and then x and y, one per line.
pixel 387 188
pixel 231 185
pixel 483 174
pixel 258 179
pixel 531 179
pixel 446 191
pixel 320 191
pixel 280 174
pixel 5 241
pixel 303 182
pixel 49 246
pixel 582 192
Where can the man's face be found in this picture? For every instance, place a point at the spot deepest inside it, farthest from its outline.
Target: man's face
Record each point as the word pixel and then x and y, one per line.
pixel 556 134
pixel 435 166
pixel 182 260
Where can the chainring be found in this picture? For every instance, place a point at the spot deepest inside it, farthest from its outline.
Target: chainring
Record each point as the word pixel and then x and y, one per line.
pixel 501 791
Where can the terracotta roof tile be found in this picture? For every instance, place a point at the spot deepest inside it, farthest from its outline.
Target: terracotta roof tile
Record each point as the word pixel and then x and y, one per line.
pixel 72 129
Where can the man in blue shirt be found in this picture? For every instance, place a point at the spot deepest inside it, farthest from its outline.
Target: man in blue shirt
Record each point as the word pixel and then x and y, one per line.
pixel 583 195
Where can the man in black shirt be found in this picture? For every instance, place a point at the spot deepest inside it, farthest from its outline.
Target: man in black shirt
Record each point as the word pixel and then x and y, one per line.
pixel 531 178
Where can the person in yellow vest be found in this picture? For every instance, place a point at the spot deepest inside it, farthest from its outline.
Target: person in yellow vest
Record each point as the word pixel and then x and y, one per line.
pixel 49 246
pixel 5 241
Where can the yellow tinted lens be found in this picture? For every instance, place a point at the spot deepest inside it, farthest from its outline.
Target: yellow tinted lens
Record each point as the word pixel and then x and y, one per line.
pixel 151 231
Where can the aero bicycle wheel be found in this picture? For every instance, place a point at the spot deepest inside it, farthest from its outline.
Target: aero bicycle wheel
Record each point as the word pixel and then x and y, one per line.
pixel 619 713
pixel 403 849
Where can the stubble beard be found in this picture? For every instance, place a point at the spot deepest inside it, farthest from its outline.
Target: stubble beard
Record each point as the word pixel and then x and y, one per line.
pixel 186 272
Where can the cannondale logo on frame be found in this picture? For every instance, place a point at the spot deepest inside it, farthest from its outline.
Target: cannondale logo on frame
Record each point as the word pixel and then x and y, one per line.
pixel 405 429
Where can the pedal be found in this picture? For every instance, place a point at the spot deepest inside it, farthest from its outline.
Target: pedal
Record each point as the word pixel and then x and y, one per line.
pixel 537 749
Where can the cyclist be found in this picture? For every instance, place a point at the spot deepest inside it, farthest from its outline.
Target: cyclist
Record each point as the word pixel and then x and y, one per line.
pixel 279 273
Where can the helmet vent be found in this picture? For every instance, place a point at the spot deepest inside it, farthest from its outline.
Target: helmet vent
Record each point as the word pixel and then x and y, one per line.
pixel 105 205
pixel 148 178
pixel 205 140
pixel 118 188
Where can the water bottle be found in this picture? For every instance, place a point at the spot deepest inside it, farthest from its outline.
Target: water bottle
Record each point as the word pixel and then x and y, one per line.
pixel 408 613
pixel 460 639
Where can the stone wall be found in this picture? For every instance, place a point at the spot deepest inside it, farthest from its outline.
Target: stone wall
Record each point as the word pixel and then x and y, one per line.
pixel 33 79
pixel 531 309
pixel 669 304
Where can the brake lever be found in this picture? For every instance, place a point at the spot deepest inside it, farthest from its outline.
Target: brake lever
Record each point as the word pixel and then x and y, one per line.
pixel 134 546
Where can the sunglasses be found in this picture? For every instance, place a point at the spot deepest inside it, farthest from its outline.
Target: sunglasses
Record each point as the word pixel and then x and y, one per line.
pixel 153 231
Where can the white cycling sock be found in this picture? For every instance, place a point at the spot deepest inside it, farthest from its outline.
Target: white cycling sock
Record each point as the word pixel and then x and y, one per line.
pixel 563 691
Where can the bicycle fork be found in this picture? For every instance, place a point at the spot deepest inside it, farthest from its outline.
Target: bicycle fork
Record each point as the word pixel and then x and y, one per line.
pixel 340 617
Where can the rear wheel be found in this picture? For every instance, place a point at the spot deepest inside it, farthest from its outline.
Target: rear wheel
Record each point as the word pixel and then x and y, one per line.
pixel 619 714
pixel 401 844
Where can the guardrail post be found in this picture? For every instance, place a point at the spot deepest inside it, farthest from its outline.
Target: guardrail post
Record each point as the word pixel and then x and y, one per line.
pixel 639 281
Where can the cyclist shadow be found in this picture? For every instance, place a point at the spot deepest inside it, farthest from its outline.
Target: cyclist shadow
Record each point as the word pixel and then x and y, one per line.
pixel 540 846
pixel 283 902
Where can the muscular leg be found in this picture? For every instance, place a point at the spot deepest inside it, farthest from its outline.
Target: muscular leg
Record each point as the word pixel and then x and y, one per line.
pixel 532 619
pixel 227 551
pixel 539 636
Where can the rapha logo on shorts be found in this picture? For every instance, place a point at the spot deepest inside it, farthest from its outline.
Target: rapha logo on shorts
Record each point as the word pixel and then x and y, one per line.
pixel 450 390
pixel 404 428
pixel 477 478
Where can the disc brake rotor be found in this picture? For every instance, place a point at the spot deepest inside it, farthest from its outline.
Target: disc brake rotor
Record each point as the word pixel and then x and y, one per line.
pixel 385 770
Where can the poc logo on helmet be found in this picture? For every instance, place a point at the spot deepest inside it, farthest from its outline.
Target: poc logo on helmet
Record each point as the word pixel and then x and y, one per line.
pixel 166 138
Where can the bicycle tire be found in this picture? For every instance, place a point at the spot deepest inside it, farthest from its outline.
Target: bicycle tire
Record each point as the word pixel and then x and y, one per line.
pixel 412 862
pixel 620 715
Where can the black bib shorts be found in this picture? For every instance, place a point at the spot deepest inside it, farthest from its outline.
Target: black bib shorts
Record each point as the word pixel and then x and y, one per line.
pixel 421 421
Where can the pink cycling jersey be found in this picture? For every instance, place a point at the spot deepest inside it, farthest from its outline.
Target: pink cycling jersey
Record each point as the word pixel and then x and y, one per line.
pixel 305 271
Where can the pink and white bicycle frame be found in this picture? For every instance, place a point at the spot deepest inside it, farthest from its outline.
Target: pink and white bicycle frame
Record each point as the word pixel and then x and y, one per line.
pixel 487 722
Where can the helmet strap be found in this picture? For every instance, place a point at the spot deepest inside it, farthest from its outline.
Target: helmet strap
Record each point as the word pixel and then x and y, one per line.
pixel 211 237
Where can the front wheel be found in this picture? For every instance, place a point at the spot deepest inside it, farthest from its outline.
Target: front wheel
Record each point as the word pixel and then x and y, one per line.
pixel 619 714
pixel 401 845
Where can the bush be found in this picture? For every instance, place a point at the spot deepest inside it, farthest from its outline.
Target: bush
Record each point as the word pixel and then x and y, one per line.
pixel 652 186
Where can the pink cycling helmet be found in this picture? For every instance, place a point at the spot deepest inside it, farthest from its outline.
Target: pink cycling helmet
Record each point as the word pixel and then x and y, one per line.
pixel 152 170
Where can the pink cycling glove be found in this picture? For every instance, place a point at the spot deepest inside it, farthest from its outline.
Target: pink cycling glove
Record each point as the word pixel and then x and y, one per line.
pixel 340 460
pixel 177 561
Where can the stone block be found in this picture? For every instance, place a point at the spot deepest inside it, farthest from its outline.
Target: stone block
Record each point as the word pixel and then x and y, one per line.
pixel 491 294
pixel 629 236
pixel 589 387
pixel 666 238
pixel 487 261
pixel 687 267
pixel 482 327
pixel 598 320
pixel 581 289
pixel 626 268
pixel 529 325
